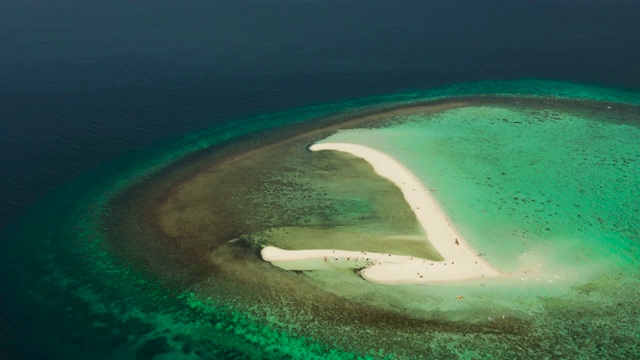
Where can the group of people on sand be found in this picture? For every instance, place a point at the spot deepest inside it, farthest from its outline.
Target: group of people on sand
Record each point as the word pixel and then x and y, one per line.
pixel 348 259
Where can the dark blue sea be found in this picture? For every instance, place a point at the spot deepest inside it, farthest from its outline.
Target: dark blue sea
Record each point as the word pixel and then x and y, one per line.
pixel 86 84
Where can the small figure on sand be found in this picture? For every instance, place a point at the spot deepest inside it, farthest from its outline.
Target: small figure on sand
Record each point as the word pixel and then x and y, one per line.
pixel 457 243
pixel 325 259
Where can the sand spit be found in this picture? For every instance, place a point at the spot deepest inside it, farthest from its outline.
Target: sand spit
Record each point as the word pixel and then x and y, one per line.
pixel 460 262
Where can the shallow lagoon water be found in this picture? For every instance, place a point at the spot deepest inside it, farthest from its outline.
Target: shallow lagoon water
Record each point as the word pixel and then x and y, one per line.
pixel 521 181
pixel 108 302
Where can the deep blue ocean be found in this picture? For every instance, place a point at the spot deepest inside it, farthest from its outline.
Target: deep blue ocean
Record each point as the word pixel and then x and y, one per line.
pixel 84 83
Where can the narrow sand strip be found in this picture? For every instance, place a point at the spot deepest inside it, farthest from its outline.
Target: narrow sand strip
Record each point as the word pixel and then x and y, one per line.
pixel 461 261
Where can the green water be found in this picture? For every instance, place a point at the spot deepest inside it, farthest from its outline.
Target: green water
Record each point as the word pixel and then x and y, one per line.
pixel 582 227
pixel 527 186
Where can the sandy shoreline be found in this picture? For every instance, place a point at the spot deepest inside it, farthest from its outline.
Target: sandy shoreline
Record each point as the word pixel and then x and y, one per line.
pixel 460 262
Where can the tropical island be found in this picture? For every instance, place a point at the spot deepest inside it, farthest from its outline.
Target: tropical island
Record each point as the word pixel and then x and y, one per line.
pixel 395 213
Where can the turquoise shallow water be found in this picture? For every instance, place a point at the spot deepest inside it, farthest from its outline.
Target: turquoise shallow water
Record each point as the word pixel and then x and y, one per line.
pixel 96 303
pixel 523 184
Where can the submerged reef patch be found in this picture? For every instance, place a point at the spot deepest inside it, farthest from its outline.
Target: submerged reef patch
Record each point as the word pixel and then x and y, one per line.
pixel 160 254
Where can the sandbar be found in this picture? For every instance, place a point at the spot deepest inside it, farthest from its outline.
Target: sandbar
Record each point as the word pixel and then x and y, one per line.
pixel 460 262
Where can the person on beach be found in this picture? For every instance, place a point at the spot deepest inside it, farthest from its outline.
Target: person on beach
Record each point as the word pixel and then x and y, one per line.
pixel 457 243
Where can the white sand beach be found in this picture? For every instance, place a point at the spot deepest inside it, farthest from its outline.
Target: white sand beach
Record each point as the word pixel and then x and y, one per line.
pixel 460 262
